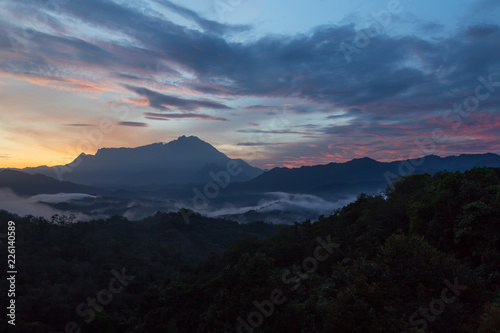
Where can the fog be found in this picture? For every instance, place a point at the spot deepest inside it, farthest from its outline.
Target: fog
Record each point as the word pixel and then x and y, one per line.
pixel 23 206
pixel 61 197
pixel 274 207
pixel 282 208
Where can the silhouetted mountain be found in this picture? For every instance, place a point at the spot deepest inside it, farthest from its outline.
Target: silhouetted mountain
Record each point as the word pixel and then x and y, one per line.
pixel 25 184
pixel 363 174
pixel 145 188
pixel 187 160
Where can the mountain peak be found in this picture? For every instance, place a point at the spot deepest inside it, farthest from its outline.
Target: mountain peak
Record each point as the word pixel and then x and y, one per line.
pixel 363 159
pixel 191 142
pixel 183 137
pixel 179 161
pixel 190 138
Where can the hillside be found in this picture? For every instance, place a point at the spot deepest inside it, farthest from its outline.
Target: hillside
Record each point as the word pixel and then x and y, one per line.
pixel 24 184
pixel 380 264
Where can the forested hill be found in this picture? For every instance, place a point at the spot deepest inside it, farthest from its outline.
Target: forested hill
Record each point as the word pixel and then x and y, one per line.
pixel 422 257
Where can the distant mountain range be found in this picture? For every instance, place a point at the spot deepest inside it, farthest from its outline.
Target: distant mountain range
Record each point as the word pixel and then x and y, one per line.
pixel 188 172
pixel 177 166
pixel 364 173
pixel 24 184
pixel 187 160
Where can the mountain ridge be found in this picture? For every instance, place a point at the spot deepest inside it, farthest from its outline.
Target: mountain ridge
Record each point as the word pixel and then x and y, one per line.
pixel 364 170
pixel 188 161
pixel 318 185
pixel 176 162
pixel 24 184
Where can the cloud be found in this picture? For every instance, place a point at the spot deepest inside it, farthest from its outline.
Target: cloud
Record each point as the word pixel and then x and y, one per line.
pixel 259 108
pixel 251 144
pixel 78 125
pixel 291 208
pixel 132 124
pixel 60 197
pixel 394 88
pixel 485 6
pixel 30 206
pixel 164 102
pixel 207 25
pixel 270 131
pixel 391 75
pixel 482 31
pixel 162 116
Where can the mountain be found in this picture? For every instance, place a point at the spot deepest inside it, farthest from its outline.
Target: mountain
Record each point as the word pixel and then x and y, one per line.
pixel 364 174
pixel 187 160
pixel 166 177
pixel 24 184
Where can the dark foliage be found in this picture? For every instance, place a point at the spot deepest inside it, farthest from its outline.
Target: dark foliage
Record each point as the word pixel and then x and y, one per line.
pixel 391 266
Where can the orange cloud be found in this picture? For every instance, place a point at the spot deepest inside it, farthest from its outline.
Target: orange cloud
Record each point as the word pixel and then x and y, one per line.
pixel 64 84
pixel 138 101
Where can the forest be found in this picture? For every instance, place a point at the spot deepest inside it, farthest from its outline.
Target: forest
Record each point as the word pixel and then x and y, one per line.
pixel 422 256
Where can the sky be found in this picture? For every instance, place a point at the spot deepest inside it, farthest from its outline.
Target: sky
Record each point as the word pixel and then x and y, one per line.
pixel 277 83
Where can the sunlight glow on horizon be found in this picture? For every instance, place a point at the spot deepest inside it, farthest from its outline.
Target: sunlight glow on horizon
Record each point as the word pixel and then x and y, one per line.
pixel 267 82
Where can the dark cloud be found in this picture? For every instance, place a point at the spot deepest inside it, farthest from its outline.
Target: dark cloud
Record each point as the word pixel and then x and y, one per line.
pixel 253 144
pixel 482 31
pixel 78 125
pixel 431 27
pixel 164 102
pixel 391 75
pixel 259 107
pixel 270 131
pixel 485 6
pixel 132 124
pixel 163 116
pixel 392 87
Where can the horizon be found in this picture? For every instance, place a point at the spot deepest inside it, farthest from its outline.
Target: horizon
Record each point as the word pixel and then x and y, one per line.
pixel 282 84
pixel 265 169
